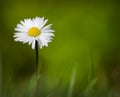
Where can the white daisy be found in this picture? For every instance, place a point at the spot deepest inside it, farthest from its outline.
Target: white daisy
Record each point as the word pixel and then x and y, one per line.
pixel 31 30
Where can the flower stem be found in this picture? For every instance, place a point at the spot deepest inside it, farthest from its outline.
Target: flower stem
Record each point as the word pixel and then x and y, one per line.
pixel 37 69
pixel 36 49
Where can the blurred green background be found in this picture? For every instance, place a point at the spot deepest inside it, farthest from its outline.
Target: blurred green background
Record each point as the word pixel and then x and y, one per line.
pixel 82 61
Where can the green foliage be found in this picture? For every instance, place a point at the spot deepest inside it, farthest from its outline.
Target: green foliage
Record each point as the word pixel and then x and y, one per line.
pixel 83 59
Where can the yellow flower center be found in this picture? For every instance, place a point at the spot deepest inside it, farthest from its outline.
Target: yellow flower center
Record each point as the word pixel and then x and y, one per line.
pixel 34 32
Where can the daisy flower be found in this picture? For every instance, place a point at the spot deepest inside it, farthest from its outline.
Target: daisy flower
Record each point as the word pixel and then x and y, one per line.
pixel 32 30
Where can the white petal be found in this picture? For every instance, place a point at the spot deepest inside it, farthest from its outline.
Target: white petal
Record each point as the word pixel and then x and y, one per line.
pixel 48 31
pixel 44 22
pixel 28 23
pixel 47 27
pixel 33 44
pixel 30 41
pixel 37 22
pixel 43 41
pixel 41 22
pixel 48 34
pixel 40 43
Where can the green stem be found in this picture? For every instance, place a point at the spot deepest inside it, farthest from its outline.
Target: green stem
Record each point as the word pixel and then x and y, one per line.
pixel 37 69
pixel 36 49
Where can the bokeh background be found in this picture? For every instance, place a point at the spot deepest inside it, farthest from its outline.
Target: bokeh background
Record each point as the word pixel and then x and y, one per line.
pixel 83 60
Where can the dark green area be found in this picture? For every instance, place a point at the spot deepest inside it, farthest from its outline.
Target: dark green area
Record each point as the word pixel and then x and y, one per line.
pixel 82 61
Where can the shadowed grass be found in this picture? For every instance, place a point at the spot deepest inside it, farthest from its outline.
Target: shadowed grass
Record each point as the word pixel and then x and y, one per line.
pixel 0 75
